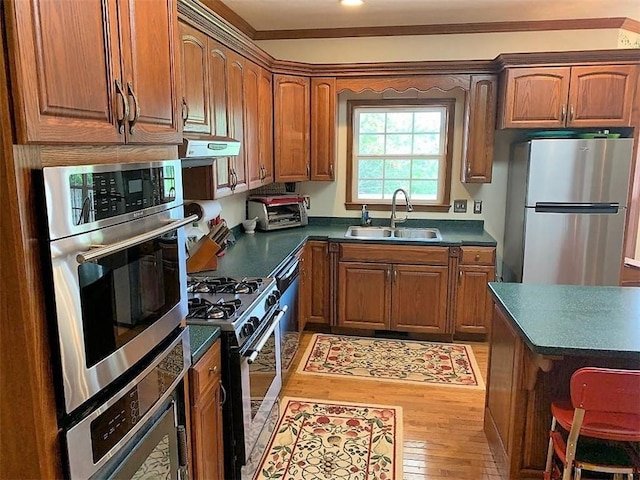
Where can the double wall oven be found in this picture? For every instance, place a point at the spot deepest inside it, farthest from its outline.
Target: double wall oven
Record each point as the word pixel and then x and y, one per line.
pixel 116 257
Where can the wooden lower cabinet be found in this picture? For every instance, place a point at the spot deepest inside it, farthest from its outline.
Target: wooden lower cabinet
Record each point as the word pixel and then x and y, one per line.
pixel 393 295
pixel 206 399
pixel 315 284
pixel 473 305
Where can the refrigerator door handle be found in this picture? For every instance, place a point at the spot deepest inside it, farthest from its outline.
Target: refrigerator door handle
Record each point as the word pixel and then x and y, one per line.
pixel 586 208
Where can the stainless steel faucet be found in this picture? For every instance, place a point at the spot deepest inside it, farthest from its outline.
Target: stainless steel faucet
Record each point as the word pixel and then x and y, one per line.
pixel 394 219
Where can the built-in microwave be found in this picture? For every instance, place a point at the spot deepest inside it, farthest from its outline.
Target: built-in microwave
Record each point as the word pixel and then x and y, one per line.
pixel 116 251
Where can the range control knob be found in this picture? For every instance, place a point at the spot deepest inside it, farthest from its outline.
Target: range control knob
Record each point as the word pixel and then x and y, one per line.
pixel 248 329
pixel 255 322
pixel 272 299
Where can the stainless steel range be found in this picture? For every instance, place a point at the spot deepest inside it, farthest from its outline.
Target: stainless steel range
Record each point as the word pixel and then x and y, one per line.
pixel 249 313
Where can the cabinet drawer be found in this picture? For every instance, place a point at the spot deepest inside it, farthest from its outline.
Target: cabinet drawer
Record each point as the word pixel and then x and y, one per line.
pixel 478 255
pixel 413 255
pixel 205 374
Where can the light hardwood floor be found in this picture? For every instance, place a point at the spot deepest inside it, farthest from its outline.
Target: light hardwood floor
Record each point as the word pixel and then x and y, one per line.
pixel 443 437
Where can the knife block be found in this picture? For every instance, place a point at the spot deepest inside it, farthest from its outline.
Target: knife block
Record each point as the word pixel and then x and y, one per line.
pixel 203 256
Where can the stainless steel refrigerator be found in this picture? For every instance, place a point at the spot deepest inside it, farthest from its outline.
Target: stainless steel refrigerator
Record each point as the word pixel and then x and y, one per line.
pixel 566 211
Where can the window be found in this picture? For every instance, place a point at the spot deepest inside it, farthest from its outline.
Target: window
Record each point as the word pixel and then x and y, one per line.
pixel 400 144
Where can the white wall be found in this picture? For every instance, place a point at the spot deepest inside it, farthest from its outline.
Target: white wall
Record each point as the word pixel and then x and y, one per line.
pixel 476 46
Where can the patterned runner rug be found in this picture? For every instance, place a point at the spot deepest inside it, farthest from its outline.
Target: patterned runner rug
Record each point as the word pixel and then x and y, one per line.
pixel 449 364
pixel 317 439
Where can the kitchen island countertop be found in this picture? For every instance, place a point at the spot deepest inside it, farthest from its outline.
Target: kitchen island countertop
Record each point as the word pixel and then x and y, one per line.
pixel 573 320
pixel 261 254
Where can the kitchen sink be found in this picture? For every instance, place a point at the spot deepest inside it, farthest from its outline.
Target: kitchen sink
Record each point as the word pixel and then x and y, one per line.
pixel 387 233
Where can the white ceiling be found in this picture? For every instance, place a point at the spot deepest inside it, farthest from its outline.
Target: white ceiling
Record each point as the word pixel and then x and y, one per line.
pixel 311 14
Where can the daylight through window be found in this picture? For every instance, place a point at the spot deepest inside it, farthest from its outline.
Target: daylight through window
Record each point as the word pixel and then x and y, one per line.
pixel 400 146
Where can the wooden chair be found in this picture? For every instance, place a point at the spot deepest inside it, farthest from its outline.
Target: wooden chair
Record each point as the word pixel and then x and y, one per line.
pixel 605 405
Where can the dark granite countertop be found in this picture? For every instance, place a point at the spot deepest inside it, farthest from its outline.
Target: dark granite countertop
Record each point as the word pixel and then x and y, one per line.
pixel 201 338
pixel 261 254
pixel 574 320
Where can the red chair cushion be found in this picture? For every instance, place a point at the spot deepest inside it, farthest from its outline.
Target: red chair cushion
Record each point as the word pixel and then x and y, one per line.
pixel 609 426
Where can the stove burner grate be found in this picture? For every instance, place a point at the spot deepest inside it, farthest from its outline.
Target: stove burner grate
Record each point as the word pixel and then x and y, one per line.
pixel 221 310
pixel 223 285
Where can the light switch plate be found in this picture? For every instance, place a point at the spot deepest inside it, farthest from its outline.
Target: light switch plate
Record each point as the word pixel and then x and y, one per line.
pixel 459 206
pixel 477 206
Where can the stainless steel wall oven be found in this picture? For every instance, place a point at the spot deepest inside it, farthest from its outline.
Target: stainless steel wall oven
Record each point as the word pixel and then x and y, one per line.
pixel 115 252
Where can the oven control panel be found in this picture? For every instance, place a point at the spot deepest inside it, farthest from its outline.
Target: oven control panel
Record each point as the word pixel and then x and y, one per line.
pixel 114 423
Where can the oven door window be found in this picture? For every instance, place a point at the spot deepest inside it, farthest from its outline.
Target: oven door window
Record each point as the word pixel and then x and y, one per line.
pixel 124 293
pixel 262 373
pixel 155 456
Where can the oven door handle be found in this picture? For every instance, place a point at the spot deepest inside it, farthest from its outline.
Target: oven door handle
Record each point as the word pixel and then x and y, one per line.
pixel 253 353
pixel 105 250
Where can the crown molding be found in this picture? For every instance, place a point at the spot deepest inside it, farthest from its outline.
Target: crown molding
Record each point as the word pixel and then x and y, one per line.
pixel 451 28
pixel 583 57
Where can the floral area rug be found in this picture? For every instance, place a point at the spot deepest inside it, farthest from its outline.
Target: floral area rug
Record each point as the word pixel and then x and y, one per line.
pixel 321 440
pixel 394 360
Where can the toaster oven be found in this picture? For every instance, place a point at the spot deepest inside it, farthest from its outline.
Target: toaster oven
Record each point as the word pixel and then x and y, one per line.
pixel 278 211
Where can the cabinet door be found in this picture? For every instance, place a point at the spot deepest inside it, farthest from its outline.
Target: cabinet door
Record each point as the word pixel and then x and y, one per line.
pixel 305 290
pixel 320 275
pixel 207 436
pixel 291 128
pixel 477 158
pixel 218 86
pixel 251 124
pixel 323 128
pixel 195 81
pixel 419 298
pixel 148 36
pixel 601 96
pixel 536 97
pixel 364 297
pixel 473 300
pixel 265 120
pixel 236 100
pixel 67 65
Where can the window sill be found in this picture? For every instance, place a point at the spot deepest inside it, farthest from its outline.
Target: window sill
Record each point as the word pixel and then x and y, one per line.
pixel 385 207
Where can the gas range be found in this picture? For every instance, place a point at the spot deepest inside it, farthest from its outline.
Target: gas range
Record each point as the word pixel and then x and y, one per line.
pixel 238 306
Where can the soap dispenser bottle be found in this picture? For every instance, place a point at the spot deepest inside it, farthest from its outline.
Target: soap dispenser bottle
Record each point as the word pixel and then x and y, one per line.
pixel 364 218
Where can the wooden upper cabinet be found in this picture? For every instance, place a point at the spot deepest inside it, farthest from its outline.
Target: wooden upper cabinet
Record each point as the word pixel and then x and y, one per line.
pixel 536 97
pixel 195 81
pixel 291 128
pixel 477 159
pixel 601 96
pixel 148 33
pixel 593 96
pixel 323 128
pixel 80 66
pixel 265 124
pixel 236 110
pixel 64 85
pixel 251 126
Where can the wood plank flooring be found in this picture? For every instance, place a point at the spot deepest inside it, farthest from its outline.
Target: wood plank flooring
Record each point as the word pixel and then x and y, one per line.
pixel 443 437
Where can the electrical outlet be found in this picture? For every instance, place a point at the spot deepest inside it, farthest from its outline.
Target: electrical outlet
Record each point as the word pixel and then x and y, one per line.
pixel 459 206
pixel 477 206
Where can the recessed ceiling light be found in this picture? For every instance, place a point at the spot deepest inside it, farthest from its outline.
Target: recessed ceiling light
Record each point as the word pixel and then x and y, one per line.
pixel 351 3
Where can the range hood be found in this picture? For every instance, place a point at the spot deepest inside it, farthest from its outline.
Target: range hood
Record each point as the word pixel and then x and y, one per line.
pixel 202 151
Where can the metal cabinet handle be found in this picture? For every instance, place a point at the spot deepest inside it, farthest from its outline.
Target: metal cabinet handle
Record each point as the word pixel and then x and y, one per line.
pixel 477 256
pixel 460 276
pixel 224 395
pixel 469 168
pixel 185 110
pixel 331 171
pixel 563 113
pixel 213 369
pixel 308 170
pixel 136 107
pixel 125 107
pixel 395 275
pixel 130 242
pixel 571 113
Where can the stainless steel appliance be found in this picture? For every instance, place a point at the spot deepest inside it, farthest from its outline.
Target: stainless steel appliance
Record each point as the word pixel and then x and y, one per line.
pixel 566 210
pixel 202 151
pixel 249 314
pixel 117 251
pixel 288 282
pixel 137 432
pixel 278 211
